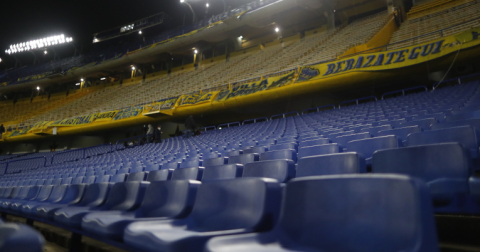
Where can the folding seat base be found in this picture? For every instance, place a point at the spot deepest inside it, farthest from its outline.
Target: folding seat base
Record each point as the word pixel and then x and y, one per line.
pixel 170 236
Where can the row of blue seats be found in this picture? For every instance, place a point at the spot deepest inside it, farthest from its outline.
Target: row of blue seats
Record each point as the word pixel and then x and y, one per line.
pixel 392 213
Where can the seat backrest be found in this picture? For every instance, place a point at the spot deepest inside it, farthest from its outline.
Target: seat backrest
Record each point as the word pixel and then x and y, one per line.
pixel 78 180
pixel 57 193
pixel 23 193
pixel 188 173
pixel 20 237
pixel 222 204
pixel 343 140
pixel 314 142
pixel 209 156
pixel 374 130
pixel 32 193
pixel 137 176
pixel 338 163
pixel 422 123
pixel 429 162
pixel 318 150
pixel 284 146
pixel 279 154
pixel 213 161
pixel 464 116
pixel 190 164
pixel 401 133
pixel 160 175
pixel 119 178
pixel 243 159
pixel 173 199
pixel 368 146
pixel 228 171
pixel 44 193
pixel 172 165
pixel 95 194
pixel 15 191
pixel 102 179
pixel 358 213
pixel 281 169
pixel 74 194
pixel 465 135
pixel 125 196
pixel 66 181
pixel 256 149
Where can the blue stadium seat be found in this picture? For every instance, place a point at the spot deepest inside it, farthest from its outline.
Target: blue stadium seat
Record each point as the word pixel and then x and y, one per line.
pixel 281 170
pixel 118 178
pixel 42 195
pixel 368 146
pixel 422 123
pixel 19 237
pixel 172 165
pixel 331 164
pixel 190 164
pixel 55 196
pixel 73 195
pixel 243 159
pixel 214 161
pixel 78 180
pixel 102 179
pixel 346 213
pixel 284 146
pixel 256 149
pixel 219 209
pixel 401 133
pixel 343 140
pixel 228 171
pixel 162 200
pixel 91 179
pixel 314 142
pixel 188 173
pixel 318 150
pixel 160 175
pixel 123 196
pixel 444 167
pixel 137 176
pixel 465 135
pixel 279 154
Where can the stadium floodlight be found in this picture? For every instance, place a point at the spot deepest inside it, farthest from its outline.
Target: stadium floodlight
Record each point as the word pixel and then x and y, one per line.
pixel 195 51
pixel 240 37
pixel 133 68
pixel 140 32
pixel 103 78
pixel 81 79
pixel 77 84
pixel 38 44
pixel 38 88
pixel 0 60
pixel 277 29
pixel 208 5
pixel 45 52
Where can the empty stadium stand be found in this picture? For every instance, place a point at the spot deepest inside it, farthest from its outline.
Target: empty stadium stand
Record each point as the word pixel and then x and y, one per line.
pixel 120 188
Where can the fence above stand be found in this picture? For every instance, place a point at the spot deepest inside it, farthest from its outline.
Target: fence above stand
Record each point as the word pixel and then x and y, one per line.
pixel 403 91
pixel 284 115
pixel 318 108
pixel 357 100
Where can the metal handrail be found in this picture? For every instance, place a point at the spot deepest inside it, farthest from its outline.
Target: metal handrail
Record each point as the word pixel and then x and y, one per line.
pixel 318 108
pixel 228 124
pixel 403 90
pixel 208 128
pixel 254 120
pixel 284 114
pixel 357 100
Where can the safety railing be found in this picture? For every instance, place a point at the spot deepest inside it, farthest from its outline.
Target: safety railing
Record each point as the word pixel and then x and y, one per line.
pixel 228 125
pixel 284 115
pixel 357 100
pixel 317 109
pixel 404 90
pixel 11 167
pixel 254 120
pixel 208 128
